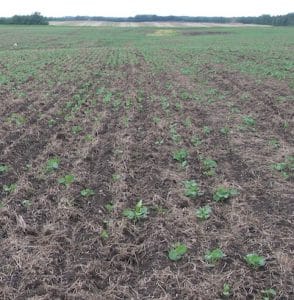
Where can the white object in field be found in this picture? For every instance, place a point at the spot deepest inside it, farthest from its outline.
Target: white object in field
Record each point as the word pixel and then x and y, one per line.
pixel 15 45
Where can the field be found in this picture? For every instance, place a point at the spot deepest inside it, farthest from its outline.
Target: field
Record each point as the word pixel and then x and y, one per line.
pixel 146 163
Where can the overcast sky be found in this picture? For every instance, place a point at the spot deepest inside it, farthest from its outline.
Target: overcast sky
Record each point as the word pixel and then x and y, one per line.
pixel 125 8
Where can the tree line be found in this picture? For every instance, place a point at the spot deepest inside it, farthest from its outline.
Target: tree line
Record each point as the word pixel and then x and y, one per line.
pixel 281 20
pixel 37 19
pixel 33 19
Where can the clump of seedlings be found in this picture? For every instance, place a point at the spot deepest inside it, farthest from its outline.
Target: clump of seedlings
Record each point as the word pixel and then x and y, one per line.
pixel 286 168
pixel 177 251
pixel 87 192
pixel 181 156
pixel 204 212
pixel 135 214
pixel 214 256
pixel 192 189
pixel 224 193
pixel 66 180
pixel 254 260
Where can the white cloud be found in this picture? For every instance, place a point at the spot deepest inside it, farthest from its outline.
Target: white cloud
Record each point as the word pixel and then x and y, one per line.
pixel 160 7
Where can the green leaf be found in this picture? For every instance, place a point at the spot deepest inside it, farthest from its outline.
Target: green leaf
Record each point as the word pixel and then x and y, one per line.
pixel 203 213
pixel 139 212
pixel 192 189
pixel 269 294
pixel 180 155
pixel 249 121
pixel 214 255
pixel 87 192
pixel 52 164
pixel 223 193
pixel 226 290
pixel 9 188
pixel 255 260
pixel 66 180
pixel 109 207
pixel 3 169
pixel 177 251
pixel 26 203
pixel 280 166
pixel 104 234
pixel 129 213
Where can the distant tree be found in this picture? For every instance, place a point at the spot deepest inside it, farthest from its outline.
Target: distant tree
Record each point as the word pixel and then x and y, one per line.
pixel 285 20
pixel 33 19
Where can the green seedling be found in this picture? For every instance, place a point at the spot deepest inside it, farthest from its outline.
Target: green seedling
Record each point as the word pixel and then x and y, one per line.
pixel 159 142
pixel 51 122
pixel 178 106
pixel 186 71
pixel 181 156
pixel 268 294
pixel 214 256
pixel 104 234
pixel 68 117
pixel 177 251
pixel 100 91
pixel 223 193
pixel 116 104
pixel 196 141
pixel 185 95
pixel 109 207
pixel 26 203
pixel 88 112
pixel 126 121
pixel 203 213
pixel 156 120
pixel 174 135
pixel 286 168
pixel 207 130
pixel 274 143
pixel 89 138
pixel 3 169
pixel 67 180
pixel 192 189
pixel 107 98
pixel 248 121
pixel 245 96
pixel 69 105
pixel 164 103
pixel 225 130
pixel 9 188
pixel 52 164
pixel 235 110
pixel 188 122
pixel 139 212
pixel 226 290
pixel 128 104
pixel 254 260
pixel 116 177
pixel 17 119
pixel 87 192
pixel 28 166
pixel 285 125
pixel 76 129
pixel 209 166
